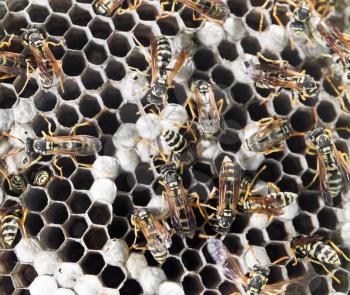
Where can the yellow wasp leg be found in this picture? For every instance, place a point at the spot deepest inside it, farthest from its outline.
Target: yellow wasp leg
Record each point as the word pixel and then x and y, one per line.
pixel 277 62
pixel 200 205
pixel 336 249
pixel 76 126
pixel 266 121
pixel 8 42
pixel 251 184
pixel 61 43
pixel 22 221
pixel 197 18
pixel 29 68
pixel 59 168
pixel 220 104
pixel 325 268
pixel 49 127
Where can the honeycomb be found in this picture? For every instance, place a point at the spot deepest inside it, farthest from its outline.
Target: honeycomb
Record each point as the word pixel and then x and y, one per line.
pixel 96 60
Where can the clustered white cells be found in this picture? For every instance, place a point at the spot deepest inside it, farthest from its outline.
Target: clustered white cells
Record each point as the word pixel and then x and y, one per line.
pixel 79 225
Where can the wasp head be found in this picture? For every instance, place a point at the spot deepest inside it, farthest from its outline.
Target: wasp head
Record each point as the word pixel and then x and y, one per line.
pixel 311 86
pixel 157 93
pixel 101 7
pixel 139 213
pixel 32 37
pixel 314 134
pixel 223 224
pixel 297 27
pixel 301 14
pixel 262 270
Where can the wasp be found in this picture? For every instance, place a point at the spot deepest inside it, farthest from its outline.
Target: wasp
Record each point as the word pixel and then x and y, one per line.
pixel 108 7
pixel 332 165
pixel 157 236
pixel 12 219
pixel 271 204
pixel 14 64
pixel 229 179
pixel 276 74
pixel 317 251
pixel 181 212
pixel 51 145
pixel 270 137
pixel 208 110
pixel 216 11
pixel 323 31
pixel 257 280
pixel 48 66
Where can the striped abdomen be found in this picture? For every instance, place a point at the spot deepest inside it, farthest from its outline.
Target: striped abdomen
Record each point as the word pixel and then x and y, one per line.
pixel 163 54
pixel 176 142
pixel 322 252
pixel 9 228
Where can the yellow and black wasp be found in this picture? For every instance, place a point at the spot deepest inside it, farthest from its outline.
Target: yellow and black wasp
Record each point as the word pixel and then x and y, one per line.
pixel 14 64
pixel 270 204
pixel 207 109
pixel 270 137
pixel 256 282
pixel 332 165
pixel 11 219
pixel 317 250
pixel 108 7
pixel 225 213
pixel 158 238
pixel 181 212
pixel 276 74
pixel 49 66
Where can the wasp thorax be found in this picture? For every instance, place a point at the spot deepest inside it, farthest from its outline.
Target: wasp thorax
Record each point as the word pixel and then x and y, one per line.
pixel 301 14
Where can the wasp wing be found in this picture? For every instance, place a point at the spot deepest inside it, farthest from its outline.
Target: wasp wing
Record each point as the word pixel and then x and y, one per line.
pixel 45 74
pixel 154 57
pixel 322 172
pixel 281 287
pixel 268 206
pixel 174 214
pixel 344 166
pixel 178 64
pixel 56 65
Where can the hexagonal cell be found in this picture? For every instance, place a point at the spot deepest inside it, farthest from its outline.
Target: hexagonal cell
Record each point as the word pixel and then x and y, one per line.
pixel 8 261
pixel 95 53
pixel 108 122
pixel 60 6
pixel 343 276
pixel 100 29
pixel 118 227
pixel 309 201
pixel 241 93
pixel 296 144
pixel 56 213
pixel 253 20
pixel 67 165
pixel 118 45
pixel 89 106
pixel 210 277
pixel 292 165
pixel 79 16
pixel 143 174
pixel 236 118
pixel 255 237
pixel 204 59
pixel 137 60
pixel 59 189
pixel 192 285
pixel 326 111
pixel 147 12
pixel 124 22
pixel 7 97
pixel 238 7
pixel 91 79
pixel 24 275
pixel 51 237
pixel 128 113
pixel 141 196
pixel 123 206
pixel 288 184
pixel 250 45
pixel 6 285
pixel 34 223
pixel 17 5
pixel 35 199
pixel 67 116
pixel 277 231
pixel 71 251
pixel 92 263
pixel 191 260
pixel 202 172
pixel 99 213
pixel 272 171
pixel 82 179
pixel 112 276
pixel 173 268
pixel 111 96
pixel 76 38
pixel 328 218
pixel 30 89
pixel 71 89
pixel 227 50
pixel 187 18
pixel 343 122
pixel 115 70
pixel 168 26
pixel 75 227
pixel 45 101
pixel 282 104
pixel 276 250
pixel 73 63
pixel 257 111
pixel 233 244
pixel 319 286
pixel 230 141
pixel 14 22
pixel 95 238
pixel 131 287
pixel 37 13
pixel 303 223
pixel 302 120
pixel 57 25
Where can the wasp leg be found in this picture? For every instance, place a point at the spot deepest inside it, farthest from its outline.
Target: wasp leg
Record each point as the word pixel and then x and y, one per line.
pixel 213 193
pixel 251 184
pixel 143 73
pixel 61 43
pixel 325 268
pixel 147 56
pixel 204 236
pixel 30 69
pixel 220 104
pixel 21 223
pixel 278 148
pixel 8 42
pixel 137 247
pixel 284 63
pixel 336 249
pixel 276 17
pixel 266 121
pixel 6 177
pixel 163 13
pixel 197 18
pixel 261 22
pixel 59 168
pixel 76 126
pixel 49 127
pixel 271 96
pixel 199 205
